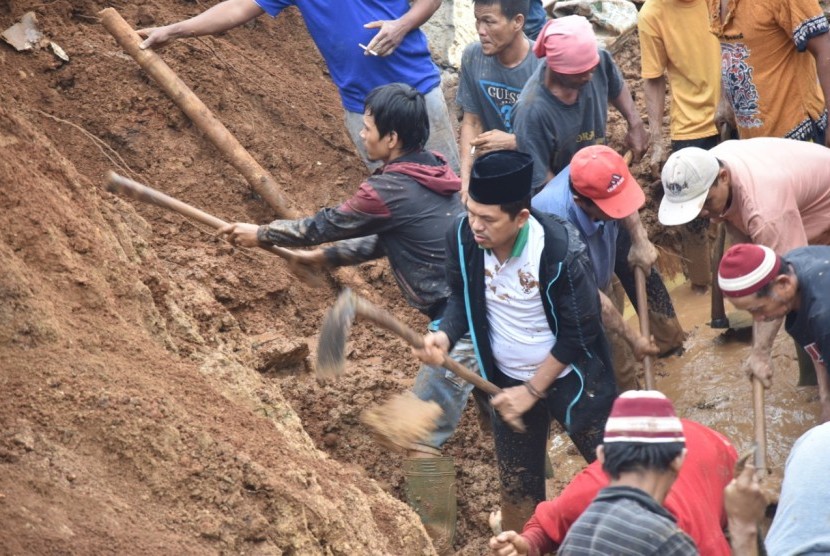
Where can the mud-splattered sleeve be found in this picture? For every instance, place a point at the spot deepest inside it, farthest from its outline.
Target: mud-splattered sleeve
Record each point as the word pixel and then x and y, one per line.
pixel 364 214
pixel 454 320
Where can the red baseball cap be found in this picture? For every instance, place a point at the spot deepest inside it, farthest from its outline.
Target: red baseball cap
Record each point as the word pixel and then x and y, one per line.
pixel 599 173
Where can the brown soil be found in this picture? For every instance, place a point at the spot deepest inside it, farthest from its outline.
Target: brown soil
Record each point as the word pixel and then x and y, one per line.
pixel 157 394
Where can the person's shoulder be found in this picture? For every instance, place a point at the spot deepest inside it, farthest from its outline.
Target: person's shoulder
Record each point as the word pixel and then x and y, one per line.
pixel 471 51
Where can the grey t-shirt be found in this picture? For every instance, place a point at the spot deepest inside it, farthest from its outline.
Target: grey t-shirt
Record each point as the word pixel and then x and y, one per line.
pixel 552 131
pixel 488 89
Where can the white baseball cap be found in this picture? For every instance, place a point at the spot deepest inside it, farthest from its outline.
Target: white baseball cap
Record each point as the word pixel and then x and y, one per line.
pixel 687 176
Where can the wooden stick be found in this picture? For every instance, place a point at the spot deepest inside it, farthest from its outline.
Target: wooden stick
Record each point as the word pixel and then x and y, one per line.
pixel 719 319
pixel 260 180
pixel 760 425
pixel 141 192
pixel 642 313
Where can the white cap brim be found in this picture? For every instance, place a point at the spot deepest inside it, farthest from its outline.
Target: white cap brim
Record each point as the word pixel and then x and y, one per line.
pixel 674 214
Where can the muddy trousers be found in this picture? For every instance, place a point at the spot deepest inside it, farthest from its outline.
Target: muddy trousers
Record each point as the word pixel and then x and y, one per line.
pixel 521 456
pixel 663 323
pixel 625 366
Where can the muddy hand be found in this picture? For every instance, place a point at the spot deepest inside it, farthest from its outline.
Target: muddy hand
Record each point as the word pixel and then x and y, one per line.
pixel 513 402
pixel 637 140
pixel 759 366
pixel 239 234
pixel 643 254
pixel 509 543
pixel 643 347
pixel 436 347
pixel 743 499
pixel 391 33
pixel 307 265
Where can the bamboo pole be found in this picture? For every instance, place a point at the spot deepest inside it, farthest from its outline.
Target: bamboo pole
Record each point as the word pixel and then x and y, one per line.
pixel 260 180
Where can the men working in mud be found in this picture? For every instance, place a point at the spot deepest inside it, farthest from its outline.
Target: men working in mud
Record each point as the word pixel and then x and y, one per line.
pixel 395 51
pixel 770 84
pixel 695 499
pixel 643 451
pixel 769 191
pixel 564 105
pixel 676 46
pixel 596 193
pixel 794 287
pixel 523 288
pixel 401 212
pixel 563 108
pixel 493 72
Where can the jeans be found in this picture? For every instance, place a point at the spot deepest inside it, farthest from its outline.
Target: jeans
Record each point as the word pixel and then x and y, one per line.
pixel 441 132
pixel 443 387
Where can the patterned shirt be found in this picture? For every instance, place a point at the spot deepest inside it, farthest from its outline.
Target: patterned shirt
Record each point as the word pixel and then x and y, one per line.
pixel 770 81
pixel 626 521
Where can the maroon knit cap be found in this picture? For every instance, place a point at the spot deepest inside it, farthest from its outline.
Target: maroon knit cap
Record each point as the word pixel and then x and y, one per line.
pixel 645 416
pixel 746 268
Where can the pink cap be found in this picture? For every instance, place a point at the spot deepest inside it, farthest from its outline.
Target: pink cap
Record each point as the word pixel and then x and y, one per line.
pixel 568 44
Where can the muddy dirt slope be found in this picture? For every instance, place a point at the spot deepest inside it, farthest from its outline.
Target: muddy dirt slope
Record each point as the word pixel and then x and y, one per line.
pixel 140 408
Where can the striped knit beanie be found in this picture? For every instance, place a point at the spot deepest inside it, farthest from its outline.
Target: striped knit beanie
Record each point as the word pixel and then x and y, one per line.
pixel 645 416
pixel 746 268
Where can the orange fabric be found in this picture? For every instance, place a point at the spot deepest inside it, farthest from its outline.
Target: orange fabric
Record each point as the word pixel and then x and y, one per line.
pixel 689 56
pixel 767 75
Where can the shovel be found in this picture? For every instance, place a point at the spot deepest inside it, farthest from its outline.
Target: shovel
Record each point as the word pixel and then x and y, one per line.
pixel 140 192
pixel 642 313
pixel 331 350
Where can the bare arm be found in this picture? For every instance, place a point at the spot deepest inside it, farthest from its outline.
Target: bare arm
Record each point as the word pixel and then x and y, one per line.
pixel 219 18
pixel 613 321
pixel 636 138
pixel 392 31
pixel 759 362
pixel 471 127
pixel 745 505
pixel 655 93
pixel 819 47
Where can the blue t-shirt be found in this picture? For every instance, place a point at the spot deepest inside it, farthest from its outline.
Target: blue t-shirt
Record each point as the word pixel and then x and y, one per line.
pixel 336 26
pixel 600 236
pixel 535 20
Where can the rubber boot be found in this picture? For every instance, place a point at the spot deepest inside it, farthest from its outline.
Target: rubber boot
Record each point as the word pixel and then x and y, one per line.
pixel 430 491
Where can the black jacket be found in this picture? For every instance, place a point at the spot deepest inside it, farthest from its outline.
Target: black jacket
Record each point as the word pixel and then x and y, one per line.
pixel 402 212
pixel 569 295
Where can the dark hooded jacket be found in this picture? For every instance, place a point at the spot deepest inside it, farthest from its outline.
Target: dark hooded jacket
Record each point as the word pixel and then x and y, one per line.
pixel 402 212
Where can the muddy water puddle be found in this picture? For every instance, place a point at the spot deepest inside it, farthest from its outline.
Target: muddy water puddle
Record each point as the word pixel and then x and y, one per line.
pixel 707 384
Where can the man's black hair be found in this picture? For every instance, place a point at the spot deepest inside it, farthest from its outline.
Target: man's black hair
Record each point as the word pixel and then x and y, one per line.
pixel 509 8
pixel 400 108
pixel 766 289
pixel 622 457
pixel 513 209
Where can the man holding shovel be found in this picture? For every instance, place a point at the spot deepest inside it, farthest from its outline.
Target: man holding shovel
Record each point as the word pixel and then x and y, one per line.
pixel 795 288
pixel 365 44
pixel 598 195
pixel 523 288
pixel 401 212
pixel 769 191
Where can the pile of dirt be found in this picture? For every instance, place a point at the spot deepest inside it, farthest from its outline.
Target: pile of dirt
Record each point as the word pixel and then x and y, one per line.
pixel 157 393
